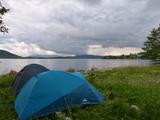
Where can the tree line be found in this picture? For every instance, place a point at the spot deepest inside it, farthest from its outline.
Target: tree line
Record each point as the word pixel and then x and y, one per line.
pixel 152 45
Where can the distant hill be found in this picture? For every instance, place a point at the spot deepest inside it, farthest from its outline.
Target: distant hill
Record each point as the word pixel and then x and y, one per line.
pixel 88 57
pixel 48 57
pixel 6 54
pixel 66 57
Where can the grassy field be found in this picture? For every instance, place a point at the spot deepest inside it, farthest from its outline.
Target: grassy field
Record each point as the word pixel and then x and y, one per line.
pixel 132 93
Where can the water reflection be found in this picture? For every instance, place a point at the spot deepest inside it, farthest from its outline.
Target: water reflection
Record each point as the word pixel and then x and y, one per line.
pixel 7 65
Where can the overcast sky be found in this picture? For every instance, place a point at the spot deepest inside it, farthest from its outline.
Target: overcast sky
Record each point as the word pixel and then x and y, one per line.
pixel 102 27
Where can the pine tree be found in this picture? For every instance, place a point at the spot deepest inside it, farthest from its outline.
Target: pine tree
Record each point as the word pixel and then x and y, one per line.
pixel 152 45
pixel 3 11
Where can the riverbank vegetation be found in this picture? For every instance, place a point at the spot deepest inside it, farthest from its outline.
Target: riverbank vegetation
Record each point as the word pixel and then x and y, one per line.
pixel 132 93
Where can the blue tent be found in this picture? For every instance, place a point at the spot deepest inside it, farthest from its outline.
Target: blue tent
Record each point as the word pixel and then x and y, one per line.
pixel 53 91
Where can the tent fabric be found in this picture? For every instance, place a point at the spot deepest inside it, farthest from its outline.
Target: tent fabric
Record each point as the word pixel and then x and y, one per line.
pixel 26 74
pixel 52 91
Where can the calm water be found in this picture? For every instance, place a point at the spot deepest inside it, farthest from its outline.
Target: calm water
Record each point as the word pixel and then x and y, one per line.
pixel 62 64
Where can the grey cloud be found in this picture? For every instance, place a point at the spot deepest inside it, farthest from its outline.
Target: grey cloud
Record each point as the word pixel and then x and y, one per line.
pixel 70 26
pixel 91 2
pixel 153 5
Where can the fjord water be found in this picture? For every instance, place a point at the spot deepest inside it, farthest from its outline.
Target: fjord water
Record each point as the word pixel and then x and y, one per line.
pixel 7 65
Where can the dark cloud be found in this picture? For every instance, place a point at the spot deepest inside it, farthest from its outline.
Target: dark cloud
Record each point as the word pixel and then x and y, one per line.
pixel 71 26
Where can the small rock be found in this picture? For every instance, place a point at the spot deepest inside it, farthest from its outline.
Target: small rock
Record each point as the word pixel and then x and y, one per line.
pixel 135 107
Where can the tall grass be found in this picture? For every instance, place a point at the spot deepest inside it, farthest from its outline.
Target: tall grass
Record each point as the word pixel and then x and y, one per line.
pixel 132 93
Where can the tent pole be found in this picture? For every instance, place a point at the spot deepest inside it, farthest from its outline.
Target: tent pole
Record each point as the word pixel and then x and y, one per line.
pixel 68 107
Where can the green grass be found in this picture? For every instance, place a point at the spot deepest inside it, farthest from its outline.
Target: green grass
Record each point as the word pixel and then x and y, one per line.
pixel 132 93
